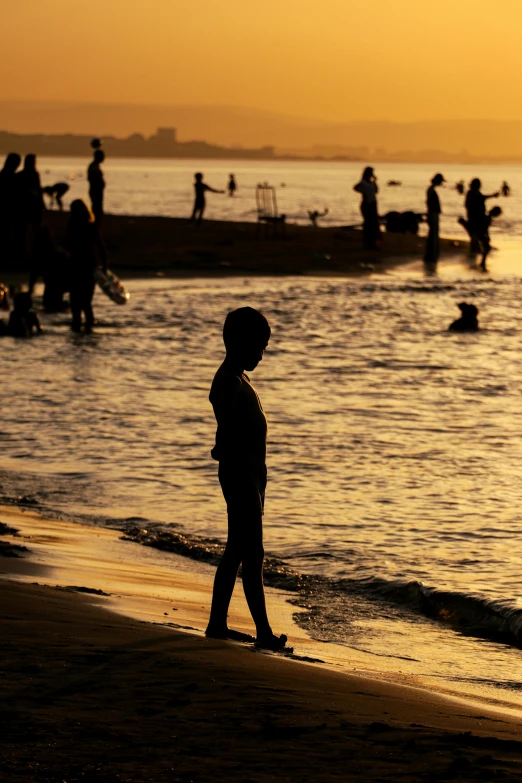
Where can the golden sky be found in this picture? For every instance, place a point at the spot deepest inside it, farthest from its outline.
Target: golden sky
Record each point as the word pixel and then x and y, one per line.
pixel 336 60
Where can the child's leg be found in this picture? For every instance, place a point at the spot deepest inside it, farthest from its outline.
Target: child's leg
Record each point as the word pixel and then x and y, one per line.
pixel 252 575
pixel 224 582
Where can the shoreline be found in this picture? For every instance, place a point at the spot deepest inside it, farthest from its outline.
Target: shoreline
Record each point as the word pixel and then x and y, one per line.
pixel 140 699
pixel 162 246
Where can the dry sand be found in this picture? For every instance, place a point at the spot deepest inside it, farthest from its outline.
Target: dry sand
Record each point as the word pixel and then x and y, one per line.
pixel 90 695
pixel 173 246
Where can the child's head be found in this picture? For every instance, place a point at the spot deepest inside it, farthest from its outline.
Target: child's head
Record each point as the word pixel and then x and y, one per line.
pixel 198 176
pixel 468 310
pixel 475 184
pixel 495 212
pixel 80 212
pixel 246 333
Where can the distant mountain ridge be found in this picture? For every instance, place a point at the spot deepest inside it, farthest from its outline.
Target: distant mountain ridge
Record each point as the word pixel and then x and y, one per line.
pixel 239 126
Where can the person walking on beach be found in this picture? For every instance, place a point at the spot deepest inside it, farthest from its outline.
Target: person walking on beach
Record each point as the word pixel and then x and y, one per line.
pixel 431 253
pixel 240 449
pixel 96 185
pixel 200 188
pixel 86 252
pixel 368 189
pixel 232 185
pixel 476 213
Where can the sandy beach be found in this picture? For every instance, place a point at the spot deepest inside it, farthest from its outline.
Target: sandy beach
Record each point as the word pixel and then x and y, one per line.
pixel 172 246
pixel 91 692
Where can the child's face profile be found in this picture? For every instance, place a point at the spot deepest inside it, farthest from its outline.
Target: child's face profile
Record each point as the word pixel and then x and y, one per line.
pixel 251 355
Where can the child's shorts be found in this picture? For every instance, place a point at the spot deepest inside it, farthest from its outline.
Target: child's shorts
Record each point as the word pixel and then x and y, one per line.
pixel 243 488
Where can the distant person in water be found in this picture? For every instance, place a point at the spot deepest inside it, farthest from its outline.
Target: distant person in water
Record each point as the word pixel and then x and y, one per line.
pixel 505 189
pixel 460 187
pixel 86 252
pixel 431 253
pixel 468 321
pixel 200 202
pixel 96 184
pixel 476 213
pixel 232 185
pixel 314 215
pixel 23 321
pixel 8 204
pixel 240 450
pixel 368 189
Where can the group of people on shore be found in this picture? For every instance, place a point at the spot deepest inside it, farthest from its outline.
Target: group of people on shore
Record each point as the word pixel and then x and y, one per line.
pixel 477 222
pixel 24 235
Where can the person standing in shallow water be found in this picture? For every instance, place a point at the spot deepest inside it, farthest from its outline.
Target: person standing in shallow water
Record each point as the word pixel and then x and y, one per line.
pixel 368 189
pixel 240 450
pixel 232 185
pixel 200 203
pixel 8 203
pixel 86 252
pixel 431 253
pixel 476 213
pixel 96 185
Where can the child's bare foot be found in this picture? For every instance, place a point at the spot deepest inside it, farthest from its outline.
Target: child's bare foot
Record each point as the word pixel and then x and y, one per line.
pixel 273 642
pixel 228 633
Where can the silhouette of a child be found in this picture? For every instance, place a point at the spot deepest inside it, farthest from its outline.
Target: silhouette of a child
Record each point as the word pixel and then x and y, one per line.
pixel 200 188
pixel 241 450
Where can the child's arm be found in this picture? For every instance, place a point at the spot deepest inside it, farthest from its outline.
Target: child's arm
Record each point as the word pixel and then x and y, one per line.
pixel 224 404
pixel 213 190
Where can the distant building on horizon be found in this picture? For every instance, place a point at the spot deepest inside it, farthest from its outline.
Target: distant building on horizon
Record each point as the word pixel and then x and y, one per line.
pixel 162 144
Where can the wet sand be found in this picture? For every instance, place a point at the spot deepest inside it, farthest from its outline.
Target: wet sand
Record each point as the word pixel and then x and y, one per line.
pixel 93 695
pixel 173 246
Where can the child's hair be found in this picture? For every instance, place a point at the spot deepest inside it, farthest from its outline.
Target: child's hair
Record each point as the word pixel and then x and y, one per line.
pixel 244 327
pixel 495 212
pixel 80 212
pixel 198 175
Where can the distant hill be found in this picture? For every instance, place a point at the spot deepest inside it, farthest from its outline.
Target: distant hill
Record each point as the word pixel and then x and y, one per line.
pixel 236 126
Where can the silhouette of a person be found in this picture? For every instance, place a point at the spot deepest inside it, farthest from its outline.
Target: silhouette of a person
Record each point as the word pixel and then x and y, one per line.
pixel 56 193
pixel 8 203
pixel 431 253
pixel 86 252
pixel 232 185
pixel 468 321
pixel 240 450
pixel 505 189
pixel 314 215
pixel 368 189
pixel 96 185
pixel 200 189
pixel 460 187
pixel 476 213
pixel 30 204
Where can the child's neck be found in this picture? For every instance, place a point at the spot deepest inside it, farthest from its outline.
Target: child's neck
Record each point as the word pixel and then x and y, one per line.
pixel 235 364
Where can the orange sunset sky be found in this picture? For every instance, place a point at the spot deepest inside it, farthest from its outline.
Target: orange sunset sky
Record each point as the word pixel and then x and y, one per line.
pixel 333 60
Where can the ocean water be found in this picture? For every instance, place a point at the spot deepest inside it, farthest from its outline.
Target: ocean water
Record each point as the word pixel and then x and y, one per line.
pixel 394 500
pixel 165 187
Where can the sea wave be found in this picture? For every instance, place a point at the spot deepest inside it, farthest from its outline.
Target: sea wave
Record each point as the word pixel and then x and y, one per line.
pixel 472 615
